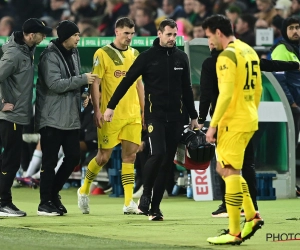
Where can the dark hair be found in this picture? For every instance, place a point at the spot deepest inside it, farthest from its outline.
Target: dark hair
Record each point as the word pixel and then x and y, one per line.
pixel 291 20
pixel 146 11
pixel 173 3
pixel 249 19
pixel 220 22
pixel 124 22
pixel 197 24
pixel 167 22
pixel 277 21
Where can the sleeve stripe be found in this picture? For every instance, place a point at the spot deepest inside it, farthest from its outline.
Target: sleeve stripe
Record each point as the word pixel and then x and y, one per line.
pixel 230 54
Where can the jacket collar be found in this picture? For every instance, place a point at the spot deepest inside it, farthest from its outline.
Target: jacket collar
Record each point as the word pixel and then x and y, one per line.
pixel 53 46
pixel 166 50
pixel 215 53
pixel 61 48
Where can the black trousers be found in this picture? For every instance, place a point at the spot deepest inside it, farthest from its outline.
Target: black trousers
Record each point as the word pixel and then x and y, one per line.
pixel 27 148
pixel 248 172
pixel 51 140
pixel 11 139
pixel 140 161
pixel 163 138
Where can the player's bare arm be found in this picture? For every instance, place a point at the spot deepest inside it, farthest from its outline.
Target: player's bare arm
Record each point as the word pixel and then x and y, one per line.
pixel 210 134
pixel 98 119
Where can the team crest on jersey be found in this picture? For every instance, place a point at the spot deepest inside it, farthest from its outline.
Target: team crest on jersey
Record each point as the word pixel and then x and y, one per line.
pixel 177 64
pixel 105 139
pixel 96 61
pixel 150 128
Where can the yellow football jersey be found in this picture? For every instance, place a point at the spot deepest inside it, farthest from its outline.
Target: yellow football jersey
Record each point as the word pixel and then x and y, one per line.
pixel 111 65
pixel 240 87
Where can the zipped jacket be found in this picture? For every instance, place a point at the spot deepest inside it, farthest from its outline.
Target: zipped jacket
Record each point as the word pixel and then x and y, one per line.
pixel 288 80
pixel 58 92
pixel 166 76
pixel 16 80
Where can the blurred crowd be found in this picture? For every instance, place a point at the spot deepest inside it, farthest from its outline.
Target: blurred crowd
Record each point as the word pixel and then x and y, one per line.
pixel 97 17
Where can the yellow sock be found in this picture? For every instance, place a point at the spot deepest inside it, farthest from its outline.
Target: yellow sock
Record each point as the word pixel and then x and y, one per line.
pixel 127 181
pixel 247 202
pixel 92 171
pixel 234 201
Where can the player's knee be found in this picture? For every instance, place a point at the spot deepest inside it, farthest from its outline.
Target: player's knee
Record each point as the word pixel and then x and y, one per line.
pixel 129 158
pixel 101 159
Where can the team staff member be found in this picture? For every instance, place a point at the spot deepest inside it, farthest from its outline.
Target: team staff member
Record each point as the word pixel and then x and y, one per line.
pixel 208 98
pixel 16 84
pixel 166 76
pixel 288 50
pixel 57 114
pixel 111 64
pixel 236 115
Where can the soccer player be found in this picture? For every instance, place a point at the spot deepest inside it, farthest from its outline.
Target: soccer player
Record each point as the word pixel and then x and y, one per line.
pixel 111 64
pixel 207 102
pixel 236 115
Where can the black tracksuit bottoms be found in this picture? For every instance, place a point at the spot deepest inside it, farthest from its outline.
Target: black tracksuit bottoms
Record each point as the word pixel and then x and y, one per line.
pixel 10 158
pixel 248 172
pixel 51 140
pixel 163 139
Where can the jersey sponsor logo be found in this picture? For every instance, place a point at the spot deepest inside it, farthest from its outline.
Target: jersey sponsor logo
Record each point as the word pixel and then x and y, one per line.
pixel 119 73
pixel 175 68
pixel 150 128
pixel 249 98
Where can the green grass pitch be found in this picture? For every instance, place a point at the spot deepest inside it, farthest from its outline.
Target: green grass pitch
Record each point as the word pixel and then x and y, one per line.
pixel 187 225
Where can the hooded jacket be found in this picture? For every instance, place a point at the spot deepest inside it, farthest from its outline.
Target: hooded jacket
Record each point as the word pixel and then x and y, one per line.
pixel 58 91
pixel 16 80
pixel 287 50
pixel 166 76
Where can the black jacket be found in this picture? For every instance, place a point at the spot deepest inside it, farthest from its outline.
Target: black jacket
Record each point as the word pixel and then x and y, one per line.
pixel 166 77
pixel 88 130
pixel 248 37
pixel 209 90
